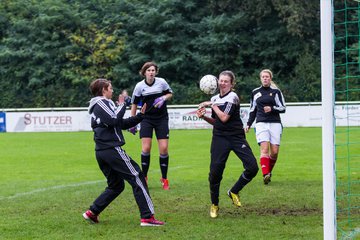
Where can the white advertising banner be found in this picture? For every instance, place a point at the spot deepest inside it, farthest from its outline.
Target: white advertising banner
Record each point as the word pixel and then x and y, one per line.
pixel 47 121
pixel 179 118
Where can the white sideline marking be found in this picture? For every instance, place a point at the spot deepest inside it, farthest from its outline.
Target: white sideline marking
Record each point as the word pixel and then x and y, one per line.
pixel 65 186
pixel 50 188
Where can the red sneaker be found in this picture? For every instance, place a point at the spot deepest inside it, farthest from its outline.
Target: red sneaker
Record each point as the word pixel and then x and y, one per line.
pixel 165 183
pixel 151 222
pixel 91 217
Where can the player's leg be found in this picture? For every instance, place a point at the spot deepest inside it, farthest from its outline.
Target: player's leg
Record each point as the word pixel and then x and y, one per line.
pixel 164 162
pixel 162 135
pixel 263 138
pixel 243 151
pixel 264 158
pixel 145 155
pixel 130 171
pixel 115 185
pixel 274 151
pixel 220 150
pixel 275 138
pixel 146 132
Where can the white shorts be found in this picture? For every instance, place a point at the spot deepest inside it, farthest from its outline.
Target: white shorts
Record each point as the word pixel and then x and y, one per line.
pixel 268 132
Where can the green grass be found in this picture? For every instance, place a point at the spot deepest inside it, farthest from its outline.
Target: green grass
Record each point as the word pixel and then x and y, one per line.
pixel 48 179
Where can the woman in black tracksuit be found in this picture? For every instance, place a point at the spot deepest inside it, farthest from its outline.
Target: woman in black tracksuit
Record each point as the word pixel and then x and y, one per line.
pixel 107 122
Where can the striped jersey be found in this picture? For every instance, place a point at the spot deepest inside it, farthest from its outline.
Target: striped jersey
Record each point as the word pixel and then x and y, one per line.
pixel 147 93
pixel 230 105
pixel 107 122
pixel 266 96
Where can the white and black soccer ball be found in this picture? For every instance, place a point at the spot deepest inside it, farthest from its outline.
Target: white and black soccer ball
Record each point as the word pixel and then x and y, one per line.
pixel 208 84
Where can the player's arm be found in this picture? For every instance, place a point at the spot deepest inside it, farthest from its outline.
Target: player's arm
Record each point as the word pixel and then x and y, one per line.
pixel 158 103
pixel 133 128
pixel 133 109
pixel 252 113
pixel 209 120
pixel 201 114
pixel 107 115
pixel 168 93
pixel 224 117
pixel 168 96
pixel 205 104
pixel 135 100
pixel 133 120
pixel 280 103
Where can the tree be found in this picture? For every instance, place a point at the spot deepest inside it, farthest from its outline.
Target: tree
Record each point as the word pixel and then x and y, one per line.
pixel 51 49
pixel 96 51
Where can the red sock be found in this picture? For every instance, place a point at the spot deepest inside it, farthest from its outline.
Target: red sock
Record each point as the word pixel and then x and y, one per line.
pixel 265 165
pixel 272 163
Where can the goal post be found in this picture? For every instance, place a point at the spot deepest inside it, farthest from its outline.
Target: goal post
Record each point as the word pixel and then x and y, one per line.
pixel 327 98
pixel 340 89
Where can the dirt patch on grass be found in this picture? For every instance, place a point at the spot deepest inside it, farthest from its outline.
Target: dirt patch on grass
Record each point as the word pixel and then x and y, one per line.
pixel 282 211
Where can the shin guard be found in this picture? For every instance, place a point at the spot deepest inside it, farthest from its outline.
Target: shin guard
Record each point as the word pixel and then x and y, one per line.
pixel 265 165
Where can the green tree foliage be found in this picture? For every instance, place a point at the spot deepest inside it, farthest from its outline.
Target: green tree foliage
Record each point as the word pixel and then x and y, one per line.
pixel 33 51
pixel 97 50
pixel 51 49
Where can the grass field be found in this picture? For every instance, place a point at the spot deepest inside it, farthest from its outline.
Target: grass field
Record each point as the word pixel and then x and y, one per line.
pixel 48 180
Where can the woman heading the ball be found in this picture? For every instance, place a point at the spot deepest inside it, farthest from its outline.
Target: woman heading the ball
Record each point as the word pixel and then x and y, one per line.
pixel 155 92
pixel 228 135
pixel 266 104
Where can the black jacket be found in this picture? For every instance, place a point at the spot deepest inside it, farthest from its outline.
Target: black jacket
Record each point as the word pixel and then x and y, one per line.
pixel 107 122
pixel 266 96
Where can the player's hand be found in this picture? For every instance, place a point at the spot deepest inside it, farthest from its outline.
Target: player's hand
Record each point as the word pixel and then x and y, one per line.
pixel 205 104
pixel 133 130
pixel 247 129
pixel 143 108
pixel 201 112
pixel 159 102
pixel 267 109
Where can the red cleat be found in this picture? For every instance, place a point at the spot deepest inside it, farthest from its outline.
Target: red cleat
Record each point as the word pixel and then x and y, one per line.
pixel 91 217
pixel 165 183
pixel 151 222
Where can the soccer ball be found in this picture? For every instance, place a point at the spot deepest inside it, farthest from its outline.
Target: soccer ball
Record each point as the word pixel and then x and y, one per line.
pixel 208 84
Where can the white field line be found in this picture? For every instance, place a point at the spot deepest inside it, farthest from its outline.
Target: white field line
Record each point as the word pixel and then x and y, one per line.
pixel 17 195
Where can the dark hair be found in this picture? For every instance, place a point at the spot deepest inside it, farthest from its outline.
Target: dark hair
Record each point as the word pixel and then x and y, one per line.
pixel 97 86
pixel 146 66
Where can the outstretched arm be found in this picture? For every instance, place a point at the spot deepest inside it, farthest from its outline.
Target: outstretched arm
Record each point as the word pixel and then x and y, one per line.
pixel 201 114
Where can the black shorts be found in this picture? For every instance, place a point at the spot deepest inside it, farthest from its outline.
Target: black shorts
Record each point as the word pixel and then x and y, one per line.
pixel 161 127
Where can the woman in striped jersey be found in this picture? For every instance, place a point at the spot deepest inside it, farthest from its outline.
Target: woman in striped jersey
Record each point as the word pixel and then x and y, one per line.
pixel 155 92
pixel 266 104
pixel 228 135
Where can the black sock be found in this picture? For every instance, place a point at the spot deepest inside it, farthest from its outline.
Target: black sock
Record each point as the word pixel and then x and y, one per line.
pixel 145 163
pixel 164 162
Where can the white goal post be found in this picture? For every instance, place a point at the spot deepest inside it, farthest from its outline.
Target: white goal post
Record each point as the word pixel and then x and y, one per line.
pixel 327 97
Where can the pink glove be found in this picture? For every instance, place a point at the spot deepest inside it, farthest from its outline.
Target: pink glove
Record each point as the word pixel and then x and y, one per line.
pixel 159 102
pixel 133 130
